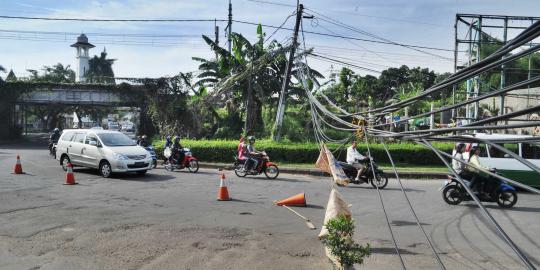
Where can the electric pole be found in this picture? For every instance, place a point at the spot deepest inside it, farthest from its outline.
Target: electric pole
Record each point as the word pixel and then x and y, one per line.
pixel 216 33
pixel 229 26
pixel 249 126
pixel 287 76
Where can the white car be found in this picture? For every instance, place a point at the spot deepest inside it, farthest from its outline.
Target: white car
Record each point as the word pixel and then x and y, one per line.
pixel 108 151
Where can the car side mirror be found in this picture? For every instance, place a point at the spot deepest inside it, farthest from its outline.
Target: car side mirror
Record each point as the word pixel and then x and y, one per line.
pixel 93 143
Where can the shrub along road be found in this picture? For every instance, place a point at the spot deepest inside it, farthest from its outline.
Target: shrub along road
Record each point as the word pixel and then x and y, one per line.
pixel 172 221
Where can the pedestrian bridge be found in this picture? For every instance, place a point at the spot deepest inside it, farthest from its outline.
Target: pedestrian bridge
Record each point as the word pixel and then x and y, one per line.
pixel 76 95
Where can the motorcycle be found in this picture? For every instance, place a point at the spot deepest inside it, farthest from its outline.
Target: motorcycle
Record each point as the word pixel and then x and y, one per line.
pixel 380 181
pixel 52 149
pixel 492 190
pixel 174 162
pixel 152 152
pixel 265 166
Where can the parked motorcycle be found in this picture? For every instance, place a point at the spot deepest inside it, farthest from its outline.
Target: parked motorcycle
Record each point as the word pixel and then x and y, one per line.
pixel 152 152
pixel 265 166
pixel 173 162
pixel 380 181
pixel 492 190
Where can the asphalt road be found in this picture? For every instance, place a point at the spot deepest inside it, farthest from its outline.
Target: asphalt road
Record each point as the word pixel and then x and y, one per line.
pixel 170 220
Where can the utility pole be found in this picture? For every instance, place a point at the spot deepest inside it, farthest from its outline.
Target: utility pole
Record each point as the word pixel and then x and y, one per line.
pixel 249 124
pixel 503 72
pixel 287 76
pixel 216 33
pixel 229 26
pixel 456 47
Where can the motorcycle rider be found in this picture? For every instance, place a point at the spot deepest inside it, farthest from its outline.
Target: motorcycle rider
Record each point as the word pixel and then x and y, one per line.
pixel 459 167
pixel 353 156
pixel 143 141
pixel 55 136
pixel 253 155
pixel 241 149
pixel 177 149
pixel 168 141
pixel 478 182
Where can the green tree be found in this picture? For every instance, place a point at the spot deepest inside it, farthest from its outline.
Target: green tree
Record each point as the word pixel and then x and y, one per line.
pixel 2 69
pixel 50 114
pixel 250 74
pixel 53 74
pixel 100 69
pixel 11 76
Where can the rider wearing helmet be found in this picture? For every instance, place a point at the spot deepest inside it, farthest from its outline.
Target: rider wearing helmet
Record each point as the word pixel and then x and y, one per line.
pixel 253 154
pixel 55 136
pixel 143 141
pixel 177 149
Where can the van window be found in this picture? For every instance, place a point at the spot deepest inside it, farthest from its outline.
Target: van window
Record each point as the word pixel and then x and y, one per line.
pixel 79 137
pixel 530 150
pixel 483 151
pixel 496 153
pixel 68 136
pixel 90 138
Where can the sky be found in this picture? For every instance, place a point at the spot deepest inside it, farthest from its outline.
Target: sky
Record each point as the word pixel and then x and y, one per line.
pixel 164 49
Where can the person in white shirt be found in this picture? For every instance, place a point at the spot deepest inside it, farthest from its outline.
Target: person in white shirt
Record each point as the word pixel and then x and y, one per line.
pixel 459 167
pixel 353 157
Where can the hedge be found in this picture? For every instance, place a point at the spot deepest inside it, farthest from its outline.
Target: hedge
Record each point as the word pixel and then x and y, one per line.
pixel 224 151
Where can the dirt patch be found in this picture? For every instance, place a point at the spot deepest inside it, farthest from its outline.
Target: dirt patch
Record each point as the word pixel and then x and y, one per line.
pixel 147 246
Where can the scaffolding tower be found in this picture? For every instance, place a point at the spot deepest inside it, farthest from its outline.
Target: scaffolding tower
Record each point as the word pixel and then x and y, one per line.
pixel 474 35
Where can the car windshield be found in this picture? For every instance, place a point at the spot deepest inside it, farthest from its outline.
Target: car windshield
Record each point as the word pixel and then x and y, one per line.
pixel 116 139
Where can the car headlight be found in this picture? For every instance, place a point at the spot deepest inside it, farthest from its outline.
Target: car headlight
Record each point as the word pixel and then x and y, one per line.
pixel 119 156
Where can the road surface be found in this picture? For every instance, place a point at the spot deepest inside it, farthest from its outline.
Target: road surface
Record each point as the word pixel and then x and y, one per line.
pixel 172 220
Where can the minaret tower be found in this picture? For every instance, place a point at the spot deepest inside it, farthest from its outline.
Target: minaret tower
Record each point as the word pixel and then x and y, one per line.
pixel 82 47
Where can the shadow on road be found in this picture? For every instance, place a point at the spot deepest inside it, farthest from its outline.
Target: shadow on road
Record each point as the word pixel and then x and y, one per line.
pixel 149 177
pixel 314 206
pixel 515 208
pixel 391 251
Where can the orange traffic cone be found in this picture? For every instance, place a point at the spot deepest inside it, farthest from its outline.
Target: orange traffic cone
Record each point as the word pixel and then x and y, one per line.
pixel 296 200
pixel 18 167
pixel 223 193
pixel 70 178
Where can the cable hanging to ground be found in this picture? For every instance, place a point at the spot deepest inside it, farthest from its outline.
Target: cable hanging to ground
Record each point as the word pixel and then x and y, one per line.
pixel 435 253
pixel 382 201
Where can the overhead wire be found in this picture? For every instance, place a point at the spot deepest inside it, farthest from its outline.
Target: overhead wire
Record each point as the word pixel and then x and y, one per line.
pixel 363 32
pixel 212 20
pixel 280 27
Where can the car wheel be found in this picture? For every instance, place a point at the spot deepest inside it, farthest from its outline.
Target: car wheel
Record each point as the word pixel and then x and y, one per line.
pixel 64 162
pixel 105 169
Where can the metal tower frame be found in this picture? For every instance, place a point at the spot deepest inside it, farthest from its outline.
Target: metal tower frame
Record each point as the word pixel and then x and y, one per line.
pixel 470 33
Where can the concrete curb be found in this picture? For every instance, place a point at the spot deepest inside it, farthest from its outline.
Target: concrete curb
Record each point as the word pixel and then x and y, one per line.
pixel 317 172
